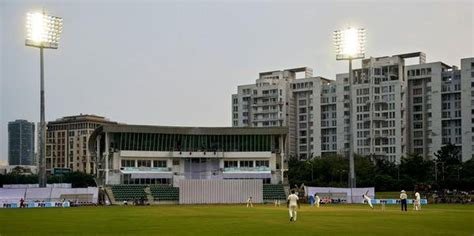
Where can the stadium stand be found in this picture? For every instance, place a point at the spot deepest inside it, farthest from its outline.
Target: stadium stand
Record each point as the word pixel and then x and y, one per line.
pixel 164 193
pixel 127 192
pixel 167 193
pixel 273 192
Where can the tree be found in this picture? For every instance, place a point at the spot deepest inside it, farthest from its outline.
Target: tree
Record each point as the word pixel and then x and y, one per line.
pixel 19 170
pixel 449 154
pixel 417 169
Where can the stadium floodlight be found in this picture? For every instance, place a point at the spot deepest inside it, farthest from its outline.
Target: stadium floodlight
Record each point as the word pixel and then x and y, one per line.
pixel 350 45
pixel 43 31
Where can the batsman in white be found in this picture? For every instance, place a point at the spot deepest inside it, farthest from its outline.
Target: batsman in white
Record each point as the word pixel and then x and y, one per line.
pixel 417 201
pixel 367 198
pixel 292 203
pixel 249 202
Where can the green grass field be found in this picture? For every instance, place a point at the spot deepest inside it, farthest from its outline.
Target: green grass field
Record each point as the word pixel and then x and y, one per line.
pixel 238 220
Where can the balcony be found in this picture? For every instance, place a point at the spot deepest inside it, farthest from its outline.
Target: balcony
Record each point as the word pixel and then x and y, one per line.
pixel 262 169
pixel 380 100
pixel 266 103
pixel 379 153
pixel 380 136
pixel 146 169
pixel 261 119
pixel 265 111
pixel 379 118
pixel 266 95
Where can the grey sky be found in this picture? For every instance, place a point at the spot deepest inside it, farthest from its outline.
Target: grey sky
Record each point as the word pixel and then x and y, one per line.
pixel 178 62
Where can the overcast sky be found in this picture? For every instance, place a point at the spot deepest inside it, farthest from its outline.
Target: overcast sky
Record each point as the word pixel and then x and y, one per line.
pixel 178 62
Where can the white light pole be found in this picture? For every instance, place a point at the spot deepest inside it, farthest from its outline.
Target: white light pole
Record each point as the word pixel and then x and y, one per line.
pixel 43 31
pixel 350 45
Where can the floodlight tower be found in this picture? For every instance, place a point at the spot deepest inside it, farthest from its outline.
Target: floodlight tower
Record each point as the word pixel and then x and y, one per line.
pixel 43 31
pixel 350 45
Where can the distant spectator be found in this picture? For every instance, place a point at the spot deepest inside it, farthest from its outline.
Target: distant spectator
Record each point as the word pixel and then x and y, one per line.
pixel 311 200
pixel 22 203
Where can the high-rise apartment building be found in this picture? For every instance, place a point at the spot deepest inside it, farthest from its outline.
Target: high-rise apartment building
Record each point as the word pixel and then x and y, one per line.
pixel 66 142
pixel 398 108
pixel 379 103
pixel 21 142
pixel 304 105
pixel 440 107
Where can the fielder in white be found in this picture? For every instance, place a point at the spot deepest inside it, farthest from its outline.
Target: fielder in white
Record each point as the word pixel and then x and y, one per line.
pixel 367 198
pixel 277 203
pixel 317 199
pixel 417 201
pixel 292 203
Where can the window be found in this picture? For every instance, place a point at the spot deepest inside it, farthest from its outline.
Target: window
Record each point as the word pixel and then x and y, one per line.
pixel 417 125
pixel 159 163
pixel 144 163
pixel 262 164
pixel 128 163
pixel 230 164
pixel 417 91
pixel 246 163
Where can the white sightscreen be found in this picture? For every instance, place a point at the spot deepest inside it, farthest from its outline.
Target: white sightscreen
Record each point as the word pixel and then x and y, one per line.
pixel 215 191
pixel 356 193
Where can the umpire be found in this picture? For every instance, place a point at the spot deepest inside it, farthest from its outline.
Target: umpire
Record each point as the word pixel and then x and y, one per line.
pixel 403 200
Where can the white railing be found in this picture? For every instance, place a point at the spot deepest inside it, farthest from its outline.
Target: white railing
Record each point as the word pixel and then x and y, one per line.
pixel 245 169
pixel 153 169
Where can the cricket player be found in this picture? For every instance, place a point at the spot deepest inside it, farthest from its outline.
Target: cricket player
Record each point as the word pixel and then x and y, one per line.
pixel 292 203
pixel 367 198
pixel 417 201
pixel 277 203
pixel 317 199
pixel 249 202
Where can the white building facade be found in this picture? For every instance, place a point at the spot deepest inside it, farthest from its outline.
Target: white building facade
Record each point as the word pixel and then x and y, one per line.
pixel 305 105
pixel 138 154
pixel 398 109
pixel 440 102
